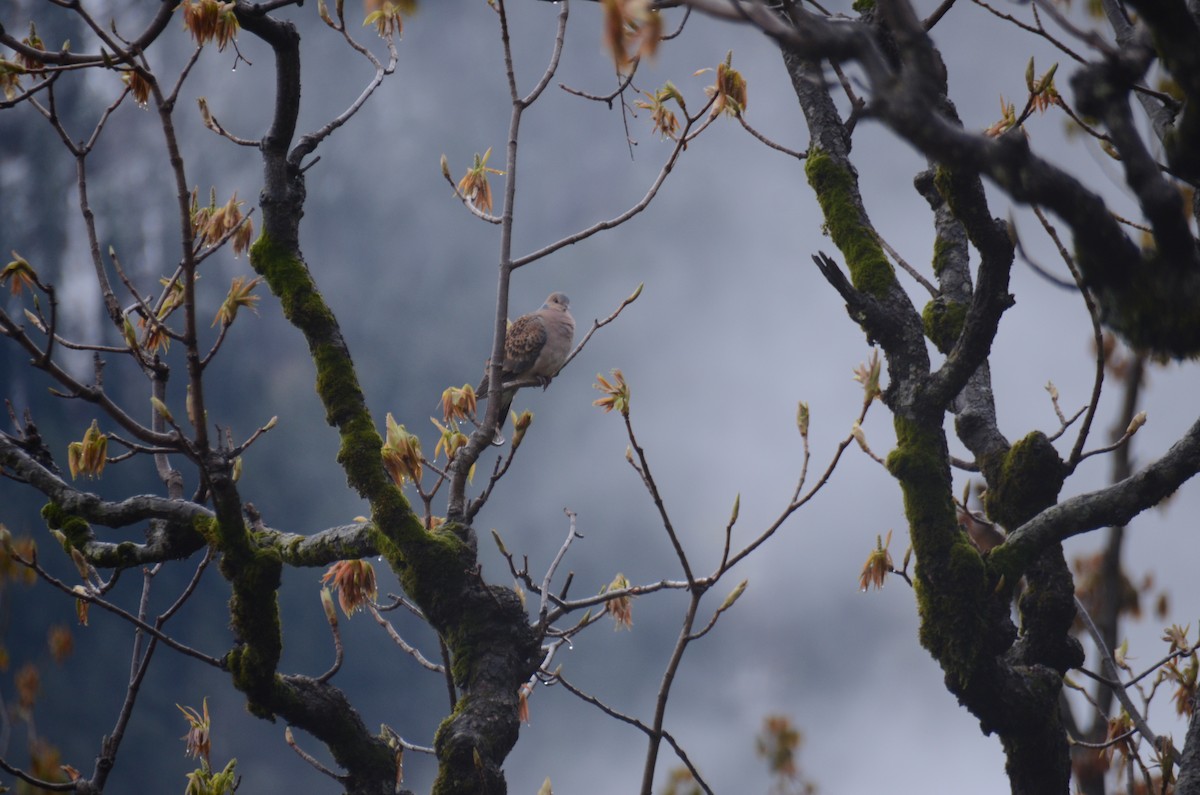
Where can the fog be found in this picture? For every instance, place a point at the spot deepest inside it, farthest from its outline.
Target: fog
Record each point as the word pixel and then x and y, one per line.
pixel 734 326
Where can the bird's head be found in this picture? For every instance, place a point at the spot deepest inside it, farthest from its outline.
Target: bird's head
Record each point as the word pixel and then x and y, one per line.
pixel 557 301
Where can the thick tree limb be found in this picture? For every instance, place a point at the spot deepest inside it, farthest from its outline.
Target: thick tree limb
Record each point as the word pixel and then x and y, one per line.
pixel 1113 505
pixel 91 506
pixel 493 648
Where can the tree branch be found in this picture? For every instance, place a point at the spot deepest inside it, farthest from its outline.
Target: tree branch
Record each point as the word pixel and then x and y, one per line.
pixel 1115 504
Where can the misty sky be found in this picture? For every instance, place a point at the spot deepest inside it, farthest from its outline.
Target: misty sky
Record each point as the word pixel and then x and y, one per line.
pixel 734 326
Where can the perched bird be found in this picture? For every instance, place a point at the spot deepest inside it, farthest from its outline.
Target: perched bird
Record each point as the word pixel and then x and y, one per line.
pixel 536 345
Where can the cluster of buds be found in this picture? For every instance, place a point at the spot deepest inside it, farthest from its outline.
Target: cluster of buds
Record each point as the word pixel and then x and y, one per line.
pixel 616 393
pixel 1008 120
pixel 61 643
pixel 87 457
pixel 33 41
pixel 385 15
pixel 632 29
pixel 521 423
pixel 458 402
pixel 401 453
pixel 729 92
pixel 1119 741
pixel 474 185
pixel 155 336
pixel 620 607
pixel 1182 670
pixel 212 224
pixel 354 581
pixel 665 122
pixel 450 441
pixel 10 78
pixel 210 20
pixel 239 296
pixel 868 375
pixel 18 274
pixel 28 684
pixel 173 294
pixel 878 564
pixel 12 552
pixel 198 739
pixel 777 744
pixel 1042 92
pixel 139 86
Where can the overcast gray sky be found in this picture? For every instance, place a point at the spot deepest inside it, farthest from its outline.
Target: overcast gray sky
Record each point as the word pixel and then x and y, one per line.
pixel 733 328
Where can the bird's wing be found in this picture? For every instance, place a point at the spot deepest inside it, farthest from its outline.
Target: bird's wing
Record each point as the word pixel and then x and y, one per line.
pixel 560 332
pixel 524 342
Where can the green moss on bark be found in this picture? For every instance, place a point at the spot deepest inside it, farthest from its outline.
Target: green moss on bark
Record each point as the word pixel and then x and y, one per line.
pixel 76 529
pixel 951 598
pixel 254 618
pixel 1157 311
pixel 943 321
pixel 942 250
pixel 951 579
pixel 919 463
pixel 835 187
pixel 1023 481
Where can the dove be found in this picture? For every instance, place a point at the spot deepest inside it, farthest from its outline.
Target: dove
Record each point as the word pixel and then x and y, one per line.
pixel 536 345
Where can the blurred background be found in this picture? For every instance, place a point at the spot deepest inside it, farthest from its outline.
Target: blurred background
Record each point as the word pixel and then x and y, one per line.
pixel 734 327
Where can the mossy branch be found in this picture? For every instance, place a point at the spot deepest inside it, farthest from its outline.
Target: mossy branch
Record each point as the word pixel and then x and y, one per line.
pixel 493 648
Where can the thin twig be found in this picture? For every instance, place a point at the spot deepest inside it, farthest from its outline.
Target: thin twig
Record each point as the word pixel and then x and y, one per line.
pixel 572 534
pixel 555 54
pixel 796 502
pixel 607 710
pixel 599 324
pixel 741 117
pixel 316 765
pixel 643 469
pixel 606 98
pixel 399 641
pixel 1097 335
pixel 1110 665
pixel 339 652
pixel 600 226
pixel 909 269
pixel 937 14
pixel 469 203
pixel 86 596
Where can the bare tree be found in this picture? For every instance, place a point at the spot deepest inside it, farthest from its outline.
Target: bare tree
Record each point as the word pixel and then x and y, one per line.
pixel 496 645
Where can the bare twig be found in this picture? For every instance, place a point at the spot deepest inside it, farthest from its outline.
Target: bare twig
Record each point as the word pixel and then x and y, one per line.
pixel 312 761
pixel 642 467
pixel 339 651
pixel 87 596
pixel 741 117
pixel 600 226
pixel 572 534
pixel 903 263
pixel 607 710
pixel 599 324
pixel 399 641
pixel 1097 336
pixel 1110 666
pixel 937 14
pixel 797 501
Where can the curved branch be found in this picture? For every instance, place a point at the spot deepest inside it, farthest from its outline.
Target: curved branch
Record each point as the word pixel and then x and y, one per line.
pixel 91 506
pixel 91 394
pixel 1112 505
pixel 600 226
pixel 157 25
